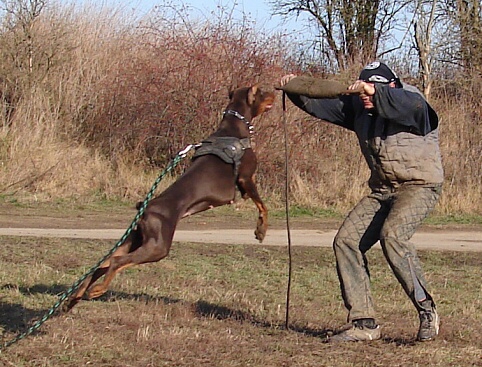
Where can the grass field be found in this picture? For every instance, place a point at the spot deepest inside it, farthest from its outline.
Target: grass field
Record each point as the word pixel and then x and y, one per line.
pixel 217 305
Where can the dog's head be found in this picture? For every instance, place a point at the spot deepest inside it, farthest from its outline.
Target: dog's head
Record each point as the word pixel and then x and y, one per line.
pixel 251 101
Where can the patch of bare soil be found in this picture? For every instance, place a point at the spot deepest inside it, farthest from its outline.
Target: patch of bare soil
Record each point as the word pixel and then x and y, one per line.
pixel 44 216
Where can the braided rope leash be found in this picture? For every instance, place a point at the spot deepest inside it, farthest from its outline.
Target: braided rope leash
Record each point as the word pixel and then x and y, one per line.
pixel 174 162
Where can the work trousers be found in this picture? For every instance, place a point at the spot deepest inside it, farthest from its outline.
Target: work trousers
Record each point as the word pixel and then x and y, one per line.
pixel 391 219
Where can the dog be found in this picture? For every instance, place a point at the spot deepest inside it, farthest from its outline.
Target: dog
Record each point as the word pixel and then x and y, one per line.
pixel 222 162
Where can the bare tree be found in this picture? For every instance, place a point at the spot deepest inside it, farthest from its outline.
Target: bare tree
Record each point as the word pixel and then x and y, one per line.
pixel 447 37
pixel 425 20
pixel 350 31
pixel 20 16
pixel 468 13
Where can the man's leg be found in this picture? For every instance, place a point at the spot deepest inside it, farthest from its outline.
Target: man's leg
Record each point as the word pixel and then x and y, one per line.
pixel 358 233
pixel 410 207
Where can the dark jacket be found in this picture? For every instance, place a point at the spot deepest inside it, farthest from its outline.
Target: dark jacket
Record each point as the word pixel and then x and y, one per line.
pixel 399 137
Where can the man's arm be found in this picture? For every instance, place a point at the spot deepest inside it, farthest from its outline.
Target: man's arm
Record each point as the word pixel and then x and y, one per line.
pixel 338 111
pixel 335 109
pixel 406 108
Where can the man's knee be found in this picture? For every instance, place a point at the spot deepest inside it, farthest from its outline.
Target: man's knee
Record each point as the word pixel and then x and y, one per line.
pixel 387 232
pixel 399 233
pixel 344 242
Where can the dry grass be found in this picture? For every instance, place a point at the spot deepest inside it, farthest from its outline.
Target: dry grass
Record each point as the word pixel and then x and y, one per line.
pixel 219 305
pixel 461 144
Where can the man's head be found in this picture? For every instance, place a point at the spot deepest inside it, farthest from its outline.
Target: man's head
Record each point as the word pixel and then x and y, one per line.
pixel 378 72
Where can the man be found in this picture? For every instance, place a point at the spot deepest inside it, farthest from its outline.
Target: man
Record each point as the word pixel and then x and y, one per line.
pixel 398 135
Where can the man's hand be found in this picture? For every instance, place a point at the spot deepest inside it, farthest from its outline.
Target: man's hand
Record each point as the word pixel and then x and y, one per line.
pixel 364 88
pixel 285 79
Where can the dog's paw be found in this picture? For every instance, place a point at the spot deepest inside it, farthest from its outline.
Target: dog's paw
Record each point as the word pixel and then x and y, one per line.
pixel 69 304
pixel 96 292
pixel 260 234
pixel 261 228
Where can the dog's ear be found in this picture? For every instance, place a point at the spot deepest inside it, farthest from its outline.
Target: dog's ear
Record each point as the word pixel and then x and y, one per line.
pixel 252 94
pixel 231 89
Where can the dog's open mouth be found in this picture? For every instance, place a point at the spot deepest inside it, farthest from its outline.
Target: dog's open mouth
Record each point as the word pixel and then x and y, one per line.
pixel 268 104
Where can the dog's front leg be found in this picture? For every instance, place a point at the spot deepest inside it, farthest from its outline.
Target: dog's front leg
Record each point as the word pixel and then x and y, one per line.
pixel 248 189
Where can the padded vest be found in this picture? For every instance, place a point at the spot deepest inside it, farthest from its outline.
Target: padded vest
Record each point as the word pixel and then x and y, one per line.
pixel 397 157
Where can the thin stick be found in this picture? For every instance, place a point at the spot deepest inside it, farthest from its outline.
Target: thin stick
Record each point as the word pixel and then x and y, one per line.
pixel 287 206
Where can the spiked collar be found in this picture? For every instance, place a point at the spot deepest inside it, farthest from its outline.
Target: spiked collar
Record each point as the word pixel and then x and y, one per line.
pixel 241 117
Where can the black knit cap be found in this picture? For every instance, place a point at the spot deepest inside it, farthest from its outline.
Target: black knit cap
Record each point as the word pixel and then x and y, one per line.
pixel 378 72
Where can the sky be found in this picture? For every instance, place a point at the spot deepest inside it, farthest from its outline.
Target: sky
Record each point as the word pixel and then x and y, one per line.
pixel 258 10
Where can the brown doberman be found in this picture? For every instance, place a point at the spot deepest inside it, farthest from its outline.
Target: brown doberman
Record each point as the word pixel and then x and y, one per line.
pixel 222 162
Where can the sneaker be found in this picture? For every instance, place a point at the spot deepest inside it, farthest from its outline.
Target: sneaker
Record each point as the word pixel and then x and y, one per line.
pixel 356 333
pixel 429 325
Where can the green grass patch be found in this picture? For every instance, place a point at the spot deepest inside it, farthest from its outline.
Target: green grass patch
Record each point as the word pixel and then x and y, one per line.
pixel 471 219
pixel 303 212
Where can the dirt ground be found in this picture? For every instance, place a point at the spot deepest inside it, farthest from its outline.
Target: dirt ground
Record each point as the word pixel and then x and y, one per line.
pixel 42 216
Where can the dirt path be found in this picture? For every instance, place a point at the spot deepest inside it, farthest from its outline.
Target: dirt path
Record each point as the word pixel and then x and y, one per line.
pixel 453 240
pixel 213 227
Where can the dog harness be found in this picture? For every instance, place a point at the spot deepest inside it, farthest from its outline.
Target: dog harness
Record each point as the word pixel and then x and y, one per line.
pixel 230 149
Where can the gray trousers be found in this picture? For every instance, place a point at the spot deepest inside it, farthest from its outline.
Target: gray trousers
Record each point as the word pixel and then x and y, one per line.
pixel 391 219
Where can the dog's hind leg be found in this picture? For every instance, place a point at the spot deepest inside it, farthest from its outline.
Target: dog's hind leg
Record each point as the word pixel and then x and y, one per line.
pixel 127 247
pixel 77 296
pixel 156 243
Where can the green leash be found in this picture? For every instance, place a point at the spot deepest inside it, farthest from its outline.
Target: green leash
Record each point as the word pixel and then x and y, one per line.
pixel 174 162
